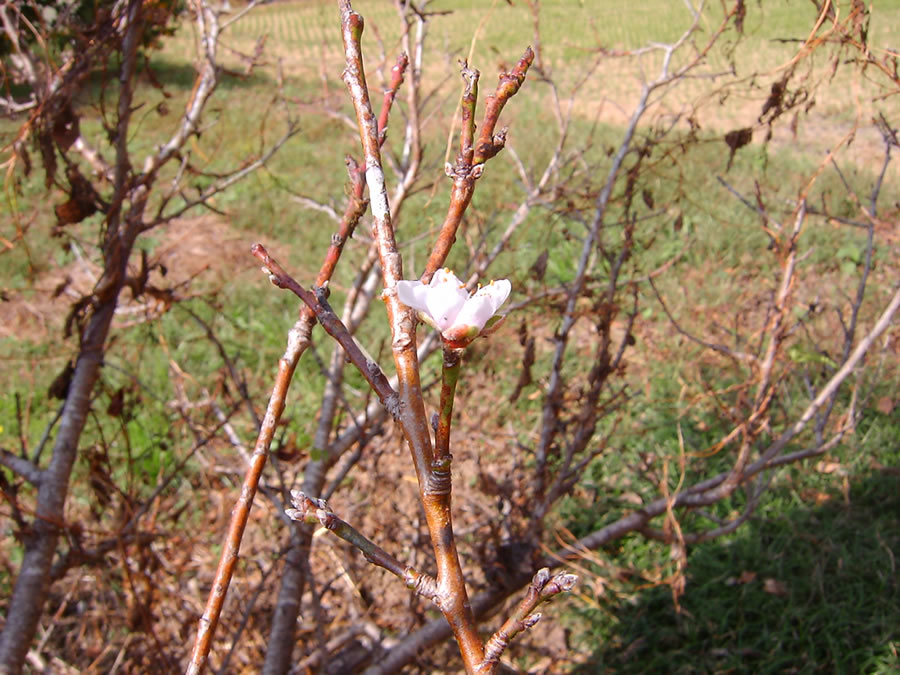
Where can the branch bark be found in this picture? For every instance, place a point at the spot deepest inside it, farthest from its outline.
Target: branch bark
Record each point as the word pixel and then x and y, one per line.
pixel 33 582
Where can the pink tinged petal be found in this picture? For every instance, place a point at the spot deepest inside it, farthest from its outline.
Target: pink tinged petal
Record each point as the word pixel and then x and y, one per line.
pixel 440 300
pixel 444 276
pixel 475 312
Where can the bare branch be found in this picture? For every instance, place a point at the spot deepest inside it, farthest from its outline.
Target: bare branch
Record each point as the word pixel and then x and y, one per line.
pixel 541 589
pixel 334 326
pixel 20 466
pixel 317 512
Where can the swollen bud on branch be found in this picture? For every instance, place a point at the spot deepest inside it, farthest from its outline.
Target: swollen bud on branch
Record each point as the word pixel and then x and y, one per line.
pixel 445 304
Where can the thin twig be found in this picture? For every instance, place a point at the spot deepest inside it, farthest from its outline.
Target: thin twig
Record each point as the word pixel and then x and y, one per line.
pixel 317 512
pixel 541 589
pixel 470 161
pixel 333 326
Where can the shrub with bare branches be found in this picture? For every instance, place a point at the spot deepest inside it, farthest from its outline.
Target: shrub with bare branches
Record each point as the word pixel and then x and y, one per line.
pixel 614 320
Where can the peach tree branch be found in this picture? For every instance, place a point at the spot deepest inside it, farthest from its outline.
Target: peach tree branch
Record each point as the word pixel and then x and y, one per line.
pixel 542 588
pixel 449 377
pixel 297 343
pixel 452 596
pixel 697 495
pixel 318 303
pixel 21 466
pixel 317 512
pixel 470 161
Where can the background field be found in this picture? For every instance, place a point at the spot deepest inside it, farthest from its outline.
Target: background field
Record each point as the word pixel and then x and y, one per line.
pixel 809 585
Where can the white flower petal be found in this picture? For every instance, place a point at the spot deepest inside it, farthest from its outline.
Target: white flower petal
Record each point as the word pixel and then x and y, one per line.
pixel 413 294
pixel 475 313
pixel 440 300
pixel 446 304
pixel 444 276
pixel 497 292
pixel 483 304
pixel 444 301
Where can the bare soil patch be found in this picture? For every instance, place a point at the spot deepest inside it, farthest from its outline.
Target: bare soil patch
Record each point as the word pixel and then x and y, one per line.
pixel 195 252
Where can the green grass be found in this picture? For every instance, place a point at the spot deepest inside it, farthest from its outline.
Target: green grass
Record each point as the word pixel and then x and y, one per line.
pixel 798 589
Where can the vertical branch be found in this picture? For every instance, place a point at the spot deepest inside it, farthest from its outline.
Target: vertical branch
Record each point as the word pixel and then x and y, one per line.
pixel 553 399
pixel 401 318
pixel 355 208
pixel 467 109
pixel 281 640
pixel 32 584
pixel 434 485
pixel 397 72
pixel 449 378
pixel 297 343
pixel 411 155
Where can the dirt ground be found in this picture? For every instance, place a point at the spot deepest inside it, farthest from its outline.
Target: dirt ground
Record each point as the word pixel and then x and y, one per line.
pixel 205 249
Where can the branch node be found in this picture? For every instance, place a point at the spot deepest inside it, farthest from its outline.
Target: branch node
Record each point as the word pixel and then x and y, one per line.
pixel 531 620
pixel 306 510
pixel 322 293
pixel 423 584
pixel 394 406
pixel 541 589
pixel 439 481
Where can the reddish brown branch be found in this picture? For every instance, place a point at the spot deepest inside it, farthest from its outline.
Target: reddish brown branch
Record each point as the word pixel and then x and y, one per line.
pixel 333 326
pixel 490 144
pixel 467 108
pixel 470 162
pixel 452 597
pixel 541 589
pixel 397 72
pixel 298 341
pixel 281 638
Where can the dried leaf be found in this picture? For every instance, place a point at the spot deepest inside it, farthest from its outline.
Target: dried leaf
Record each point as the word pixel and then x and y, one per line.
pixel 885 405
pixel 83 200
pixel 539 267
pixel 116 403
pixel 775 587
pixel 66 129
pixel 631 498
pixel 61 287
pixel 736 140
pixel 746 577
pixel 59 388
pixel 740 13
pixel 831 467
